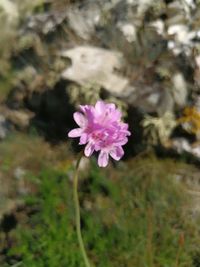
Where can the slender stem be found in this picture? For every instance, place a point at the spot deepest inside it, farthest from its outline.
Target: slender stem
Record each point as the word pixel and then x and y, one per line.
pixel 77 213
pixel 178 257
pixel 181 243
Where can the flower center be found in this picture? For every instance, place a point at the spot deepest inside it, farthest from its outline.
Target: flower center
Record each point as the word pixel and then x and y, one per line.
pixel 98 136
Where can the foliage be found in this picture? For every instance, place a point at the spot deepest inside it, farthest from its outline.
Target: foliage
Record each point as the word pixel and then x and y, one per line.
pixel 129 218
pixel 83 94
pixel 191 120
pixel 159 129
pixel 90 94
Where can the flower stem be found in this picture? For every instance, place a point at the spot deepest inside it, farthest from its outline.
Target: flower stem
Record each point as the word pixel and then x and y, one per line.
pixel 77 213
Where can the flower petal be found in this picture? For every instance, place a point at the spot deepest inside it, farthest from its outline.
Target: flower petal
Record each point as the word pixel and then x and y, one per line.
pixel 80 119
pixel 103 159
pixel 111 106
pixel 100 107
pixel 122 141
pixel 83 139
pixel 75 132
pixel 116 153
pixel 89 149
pixel 89 113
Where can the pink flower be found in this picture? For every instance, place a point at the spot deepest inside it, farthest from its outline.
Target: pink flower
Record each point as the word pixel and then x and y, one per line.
pixel 101 129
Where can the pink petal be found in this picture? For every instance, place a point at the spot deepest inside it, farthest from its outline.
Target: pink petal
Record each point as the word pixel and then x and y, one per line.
pixel 83 108
pixel 89 113
pixel 89 149
pixel 75 132
pixel 100 107
pixel 80 119
pixel 122 141
pixel 116 153
pixel 83 139
pixel 111 106
pixel 103 159
pixel 117 114
pixel 128 133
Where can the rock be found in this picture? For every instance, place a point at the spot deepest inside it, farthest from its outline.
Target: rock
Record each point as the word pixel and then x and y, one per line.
pixel 142 6
pixel 159 26
pixel 182 39
pixel 128 30
pixel 180 89
pixel 19 118
pixel 83 21
pixel 89 68
pixel 182 145
pixel 45 22
pixel 93 65
pixel 149 98
pixel 11 11
pixel 143 58
pixel 4 127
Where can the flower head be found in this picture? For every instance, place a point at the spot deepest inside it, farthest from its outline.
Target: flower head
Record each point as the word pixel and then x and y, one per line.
pixel 101 129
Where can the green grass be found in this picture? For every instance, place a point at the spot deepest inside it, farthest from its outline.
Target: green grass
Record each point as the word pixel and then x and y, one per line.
pixel 133 216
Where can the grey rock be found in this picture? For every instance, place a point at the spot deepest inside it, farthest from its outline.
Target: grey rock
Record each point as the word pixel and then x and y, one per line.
pixel 93 65
pixel 83 21
pixel 182 145
pixel 19 118
pixel 10 9
pixel 180 89
pixel 128 30
pixel 148 98
pixel 45 22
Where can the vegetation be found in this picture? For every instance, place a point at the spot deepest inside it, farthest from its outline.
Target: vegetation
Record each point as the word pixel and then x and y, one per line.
pixel 191 120
pixel 137 219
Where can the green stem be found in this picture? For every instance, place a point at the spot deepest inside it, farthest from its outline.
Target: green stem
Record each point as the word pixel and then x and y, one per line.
pixel 77 214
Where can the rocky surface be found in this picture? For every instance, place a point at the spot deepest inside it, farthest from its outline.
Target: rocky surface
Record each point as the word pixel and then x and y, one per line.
pixel 143 55
pixel 95 66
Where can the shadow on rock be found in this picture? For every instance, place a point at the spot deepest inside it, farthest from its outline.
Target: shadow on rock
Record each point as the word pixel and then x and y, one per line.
pixel 53 113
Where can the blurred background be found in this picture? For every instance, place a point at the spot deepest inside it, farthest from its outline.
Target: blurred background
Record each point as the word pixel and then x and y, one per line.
pixel 142 55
